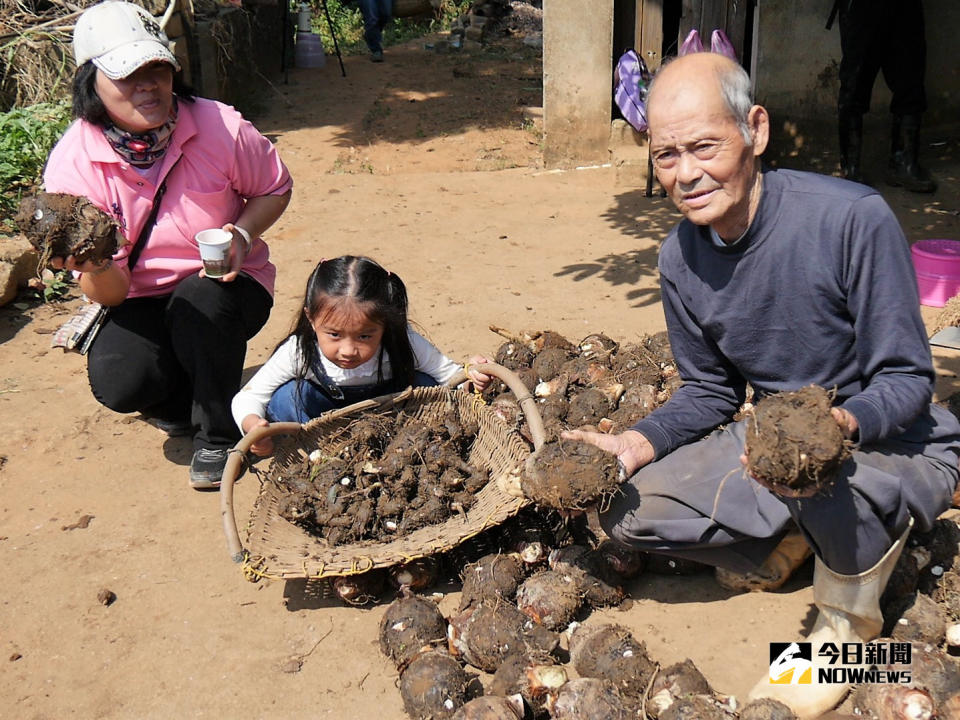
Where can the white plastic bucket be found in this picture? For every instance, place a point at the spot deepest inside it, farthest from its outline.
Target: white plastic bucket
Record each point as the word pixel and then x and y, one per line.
pixel 309 51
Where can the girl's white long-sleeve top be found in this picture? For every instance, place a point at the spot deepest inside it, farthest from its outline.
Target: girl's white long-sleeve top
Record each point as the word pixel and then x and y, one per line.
pixel 282 366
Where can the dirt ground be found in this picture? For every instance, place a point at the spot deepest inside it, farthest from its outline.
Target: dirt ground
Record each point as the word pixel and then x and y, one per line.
pixel 425 163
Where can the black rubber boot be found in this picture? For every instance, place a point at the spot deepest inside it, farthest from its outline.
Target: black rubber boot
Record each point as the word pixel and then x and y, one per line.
pixel 904 167
pixel 851 142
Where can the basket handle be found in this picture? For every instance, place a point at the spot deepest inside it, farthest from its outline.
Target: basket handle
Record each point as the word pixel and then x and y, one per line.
pixel 527 402
pixel 231 472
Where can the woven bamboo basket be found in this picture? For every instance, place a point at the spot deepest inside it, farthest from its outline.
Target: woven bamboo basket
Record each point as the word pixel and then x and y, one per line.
pixel 278 548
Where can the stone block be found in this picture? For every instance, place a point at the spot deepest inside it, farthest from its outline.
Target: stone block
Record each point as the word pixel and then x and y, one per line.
pixel 622 134
pixel 18 263
pixel 630 166
pixel 474 34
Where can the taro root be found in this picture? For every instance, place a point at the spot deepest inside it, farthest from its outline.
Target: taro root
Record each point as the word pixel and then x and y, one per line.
pixel 533 674
pixel 489 631
pixel 669 383
pixel 514 355
pixel 623 561
pixel 949 709
pixel 675 682
pixel 793 443
pixel 923 621
pixel 947 594
pixel 931 670
pixel 408 625
pixel 587 407
pixel 548 363
pixel 569 475
pixel 536 340
pixel 551 598
pixel 590 699
pixel 529 535
pixel 554 388
pixel 415 575
pixel 659 345
pixel 893 702
pixel 697 707
pixel 433 686
pixel 491 707
pixel 597 345
pixel 610 652
pixel 766 709
pixel 507 409
pixel 491 577
pixel 360 589
pixel 547 339
pixel 583 371
pixel 595 578
pixel 635 365
pixel 58 225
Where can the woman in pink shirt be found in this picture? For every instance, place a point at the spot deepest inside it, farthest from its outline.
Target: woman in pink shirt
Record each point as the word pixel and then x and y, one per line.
pixel 174 342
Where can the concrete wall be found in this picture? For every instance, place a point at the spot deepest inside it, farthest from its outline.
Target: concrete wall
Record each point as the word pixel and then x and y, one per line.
pixel 796 61
pixel 577 81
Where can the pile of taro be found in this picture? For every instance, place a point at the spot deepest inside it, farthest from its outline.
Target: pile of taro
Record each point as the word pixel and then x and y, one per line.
pixel 519 644
pixel 597 384
pixel 386 476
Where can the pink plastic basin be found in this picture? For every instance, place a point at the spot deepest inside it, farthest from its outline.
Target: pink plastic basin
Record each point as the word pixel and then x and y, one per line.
pixel 937 264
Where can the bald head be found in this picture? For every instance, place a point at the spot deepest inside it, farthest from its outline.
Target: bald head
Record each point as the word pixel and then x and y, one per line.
pixel 706 76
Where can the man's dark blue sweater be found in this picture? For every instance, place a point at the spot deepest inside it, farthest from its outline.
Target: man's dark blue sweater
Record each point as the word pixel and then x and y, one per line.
pixel 820 290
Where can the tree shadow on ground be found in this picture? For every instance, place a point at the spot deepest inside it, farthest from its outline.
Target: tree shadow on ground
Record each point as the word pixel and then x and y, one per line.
pixel 648 220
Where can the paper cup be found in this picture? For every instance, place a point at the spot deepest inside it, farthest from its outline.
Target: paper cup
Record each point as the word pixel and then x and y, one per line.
pixel 215 251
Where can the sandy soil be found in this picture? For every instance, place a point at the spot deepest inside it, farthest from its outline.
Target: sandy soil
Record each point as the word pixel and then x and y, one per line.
pixel 425 163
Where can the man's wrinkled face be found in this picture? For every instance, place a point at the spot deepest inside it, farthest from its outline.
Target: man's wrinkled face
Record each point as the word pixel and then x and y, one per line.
pixel 702 159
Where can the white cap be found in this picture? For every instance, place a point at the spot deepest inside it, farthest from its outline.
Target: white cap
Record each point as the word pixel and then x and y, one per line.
pixel 119 37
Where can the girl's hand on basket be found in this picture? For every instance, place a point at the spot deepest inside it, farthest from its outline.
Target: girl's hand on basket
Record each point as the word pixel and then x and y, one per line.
pixel 478 379
pixel 264 446
pixel 632 449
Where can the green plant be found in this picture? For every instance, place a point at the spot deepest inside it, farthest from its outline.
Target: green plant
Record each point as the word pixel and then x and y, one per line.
pixel 347 22
pixel 26 136
pixel 56 286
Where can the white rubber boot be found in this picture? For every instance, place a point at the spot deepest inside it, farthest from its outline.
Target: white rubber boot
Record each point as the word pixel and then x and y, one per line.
pixel 849 608
pixel 789 554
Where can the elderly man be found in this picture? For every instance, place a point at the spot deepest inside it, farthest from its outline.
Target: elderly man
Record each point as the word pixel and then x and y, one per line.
pixel 780 279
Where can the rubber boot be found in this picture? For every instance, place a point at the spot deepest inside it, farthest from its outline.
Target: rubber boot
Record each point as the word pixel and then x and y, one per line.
pixel 851 142
pixel 786 557
pixel 849 611
pixel 904 166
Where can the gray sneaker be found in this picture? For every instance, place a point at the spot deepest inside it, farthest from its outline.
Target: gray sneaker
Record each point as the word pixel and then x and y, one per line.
pixel 376 56
pixel 206 468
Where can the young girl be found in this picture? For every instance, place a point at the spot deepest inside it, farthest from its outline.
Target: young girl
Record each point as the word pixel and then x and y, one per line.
pixel 351 342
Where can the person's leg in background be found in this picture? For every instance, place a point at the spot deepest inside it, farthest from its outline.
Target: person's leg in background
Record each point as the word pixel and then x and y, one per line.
pixel 209 323
pixel 860 26
pixel 376 15
pixel 904 70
